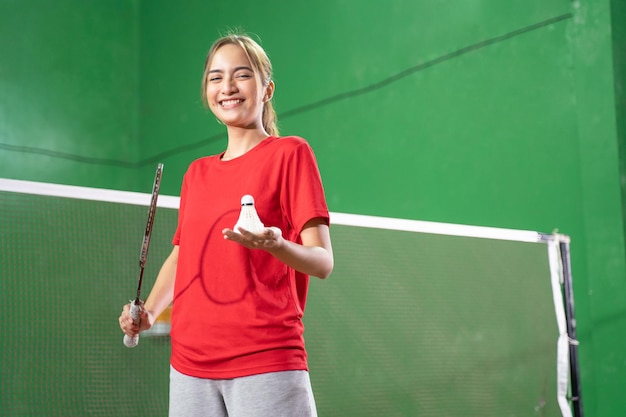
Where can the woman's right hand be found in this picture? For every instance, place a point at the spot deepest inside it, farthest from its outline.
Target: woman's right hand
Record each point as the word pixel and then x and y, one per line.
pixel 129 327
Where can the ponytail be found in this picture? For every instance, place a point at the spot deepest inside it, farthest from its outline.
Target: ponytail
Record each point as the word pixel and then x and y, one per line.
pixel 270 119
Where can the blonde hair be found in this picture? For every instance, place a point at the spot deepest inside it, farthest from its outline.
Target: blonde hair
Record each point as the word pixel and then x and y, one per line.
pixel 260 64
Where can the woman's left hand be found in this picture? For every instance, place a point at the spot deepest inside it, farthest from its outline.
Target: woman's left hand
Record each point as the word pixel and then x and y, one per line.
pixel 270 238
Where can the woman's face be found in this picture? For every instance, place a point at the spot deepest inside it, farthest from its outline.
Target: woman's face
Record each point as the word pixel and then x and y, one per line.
pixel 235 93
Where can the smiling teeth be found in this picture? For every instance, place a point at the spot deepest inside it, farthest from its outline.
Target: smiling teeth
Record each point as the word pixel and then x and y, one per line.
pixel 230 102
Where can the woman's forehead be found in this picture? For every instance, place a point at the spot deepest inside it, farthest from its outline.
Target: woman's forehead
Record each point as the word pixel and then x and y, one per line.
pixel 229 55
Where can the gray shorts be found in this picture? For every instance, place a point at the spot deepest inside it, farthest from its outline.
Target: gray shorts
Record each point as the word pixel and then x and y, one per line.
pixel 275 394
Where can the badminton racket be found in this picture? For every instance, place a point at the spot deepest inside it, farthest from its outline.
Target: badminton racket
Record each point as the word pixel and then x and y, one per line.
pixel 136 305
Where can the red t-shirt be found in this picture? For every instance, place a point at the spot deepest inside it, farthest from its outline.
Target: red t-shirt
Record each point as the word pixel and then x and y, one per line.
pixel 238 311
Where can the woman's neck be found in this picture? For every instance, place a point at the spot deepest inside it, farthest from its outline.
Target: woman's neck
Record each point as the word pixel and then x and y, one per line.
pixel 241 141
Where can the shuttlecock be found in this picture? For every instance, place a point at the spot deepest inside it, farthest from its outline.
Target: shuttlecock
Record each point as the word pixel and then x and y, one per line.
pixel 248 217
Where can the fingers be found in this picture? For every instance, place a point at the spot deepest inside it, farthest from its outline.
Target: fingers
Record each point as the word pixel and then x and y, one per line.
pixel 269 238
pixel 126 322
pixel 275 232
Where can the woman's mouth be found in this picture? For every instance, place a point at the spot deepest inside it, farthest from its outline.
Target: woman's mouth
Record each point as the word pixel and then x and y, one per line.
pixel 230 103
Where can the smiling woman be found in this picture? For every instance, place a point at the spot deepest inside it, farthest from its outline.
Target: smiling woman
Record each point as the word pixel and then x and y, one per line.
pixel 239 297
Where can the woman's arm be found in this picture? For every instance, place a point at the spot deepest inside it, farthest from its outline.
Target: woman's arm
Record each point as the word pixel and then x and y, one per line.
pixel 313 257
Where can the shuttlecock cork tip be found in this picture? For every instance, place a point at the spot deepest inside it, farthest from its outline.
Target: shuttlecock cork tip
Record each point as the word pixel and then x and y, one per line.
pixel 247 200
pixel 248 217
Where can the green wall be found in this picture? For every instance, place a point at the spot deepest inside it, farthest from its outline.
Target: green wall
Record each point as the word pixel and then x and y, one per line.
pixel 490 113
pixel 69 91
pixel 618 31
pixel 601 241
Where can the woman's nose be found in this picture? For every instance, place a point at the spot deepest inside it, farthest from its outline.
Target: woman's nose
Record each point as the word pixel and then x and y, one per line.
pixel 229 86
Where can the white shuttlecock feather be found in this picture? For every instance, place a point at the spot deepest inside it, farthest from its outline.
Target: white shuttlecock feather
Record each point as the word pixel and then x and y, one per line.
pixel 248 217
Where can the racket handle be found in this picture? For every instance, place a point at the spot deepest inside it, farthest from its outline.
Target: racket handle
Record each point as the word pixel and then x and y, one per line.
pixel 136 307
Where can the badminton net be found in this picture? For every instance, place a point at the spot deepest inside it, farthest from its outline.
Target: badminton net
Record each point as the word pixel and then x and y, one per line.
pixel 417 318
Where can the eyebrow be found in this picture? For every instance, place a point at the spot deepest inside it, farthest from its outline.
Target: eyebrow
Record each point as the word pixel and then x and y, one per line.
pixel 236 69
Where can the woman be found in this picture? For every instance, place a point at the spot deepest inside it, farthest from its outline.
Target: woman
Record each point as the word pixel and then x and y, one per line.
pixel 239 297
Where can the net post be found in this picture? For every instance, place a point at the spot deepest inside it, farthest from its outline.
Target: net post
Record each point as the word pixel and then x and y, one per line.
pixel 576 396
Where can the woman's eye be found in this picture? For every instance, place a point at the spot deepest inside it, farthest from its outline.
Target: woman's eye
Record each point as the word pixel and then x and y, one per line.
pixel 212 79
pixel 244 76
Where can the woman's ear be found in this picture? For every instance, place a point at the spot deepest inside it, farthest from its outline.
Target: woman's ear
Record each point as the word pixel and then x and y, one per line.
pixel 269 91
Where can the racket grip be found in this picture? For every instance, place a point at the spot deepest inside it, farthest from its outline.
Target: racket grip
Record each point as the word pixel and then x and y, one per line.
pixel 135 313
